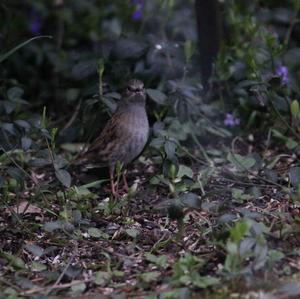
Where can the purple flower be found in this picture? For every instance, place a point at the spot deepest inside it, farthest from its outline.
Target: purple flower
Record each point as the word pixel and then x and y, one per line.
pixel 283 72
pixel 138 11
pixel 35 22
pixel 137 15
pixel 231 121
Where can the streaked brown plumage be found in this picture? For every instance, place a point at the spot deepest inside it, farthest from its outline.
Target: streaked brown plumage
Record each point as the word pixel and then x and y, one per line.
pixel 125 134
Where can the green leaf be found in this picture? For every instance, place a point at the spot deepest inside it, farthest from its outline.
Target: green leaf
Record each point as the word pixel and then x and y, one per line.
pixel 97 233
pixel 188 49
pixel 101 278
pixel 239 231
pixel 242 163
pixel 149 276
pixel 16 173
pixel 38 267
pixel 58 224
pixel 78 288
pixel 64 177
pixel 175 211
pixel 14 93
pixel 203 281
pixel 291 143
pixel 14 261
pixel 170 149
pixel 159 261
pixel 157 96
pixel 132 232
pixel 34 249
pixel 26 143
pixel 295 109
pixel 239 195
pixel 185 171
pixel 191 200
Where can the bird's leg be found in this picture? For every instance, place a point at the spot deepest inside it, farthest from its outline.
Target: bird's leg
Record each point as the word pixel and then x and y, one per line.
pixel 125 180
pixel 112 182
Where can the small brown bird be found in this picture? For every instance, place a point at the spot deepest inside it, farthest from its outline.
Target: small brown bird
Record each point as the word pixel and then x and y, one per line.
pixel 125 134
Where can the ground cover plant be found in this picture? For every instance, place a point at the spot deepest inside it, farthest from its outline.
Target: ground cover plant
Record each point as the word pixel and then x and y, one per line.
pixel 213 205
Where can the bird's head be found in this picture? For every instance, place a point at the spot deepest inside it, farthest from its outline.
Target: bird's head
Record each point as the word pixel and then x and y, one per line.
pixel 135 91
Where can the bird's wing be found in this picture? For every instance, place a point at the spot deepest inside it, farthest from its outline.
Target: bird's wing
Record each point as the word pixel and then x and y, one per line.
pixel 110 137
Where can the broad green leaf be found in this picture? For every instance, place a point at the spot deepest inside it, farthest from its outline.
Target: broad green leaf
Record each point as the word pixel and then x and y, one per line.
pixel 242 163
pixel 157 96
pixel 188 49
pixel 97 233
pixel 239 231
pixel 291 143
pixel 64 177
pixel 170 149
pixel 185 171
pixel 204 281
pixel 26 143
pixel 38 267
pixel 101 278
pixel 15 92
pixel 59 224
pixel 191 200
pixel 34 249
pixel 149 276
pixel 15 261
pixel 160 261
pixel 132 232
pixel 78 288
pixel 15 173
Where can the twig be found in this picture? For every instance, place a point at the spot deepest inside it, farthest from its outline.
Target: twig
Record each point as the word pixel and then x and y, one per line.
pixel 289 31
pixel 191 155
pixel 62 274
pixel 72 119
pixel 59 286
pixel 10 284
pixel 249 171
pixel 283 120
pixel 36 183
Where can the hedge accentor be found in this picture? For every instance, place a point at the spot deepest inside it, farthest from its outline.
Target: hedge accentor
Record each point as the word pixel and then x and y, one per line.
pixel 125 134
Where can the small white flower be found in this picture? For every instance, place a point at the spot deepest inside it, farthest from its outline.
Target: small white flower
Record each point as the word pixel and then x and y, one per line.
pixel 158 47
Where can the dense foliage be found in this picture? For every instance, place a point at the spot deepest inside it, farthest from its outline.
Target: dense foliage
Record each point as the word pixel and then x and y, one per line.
pixel 213 207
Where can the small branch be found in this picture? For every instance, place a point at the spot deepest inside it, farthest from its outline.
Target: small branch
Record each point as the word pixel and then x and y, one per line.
pixel 55 287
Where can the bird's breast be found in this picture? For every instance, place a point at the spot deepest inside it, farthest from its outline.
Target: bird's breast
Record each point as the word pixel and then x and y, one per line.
pixel 135 135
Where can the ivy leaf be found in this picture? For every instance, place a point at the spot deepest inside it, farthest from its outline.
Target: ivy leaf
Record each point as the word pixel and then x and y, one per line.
pixel 15 261
pixel 132 232
pixel 185 171
pixel 15 173
pixel 64 177
pixel 157 96
pixel 26 143
pixel 170 149
pixel 242 163
pixel 15 92
pixel 191 200
pixel 34 249
pixel 240 229
pixel 97 233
